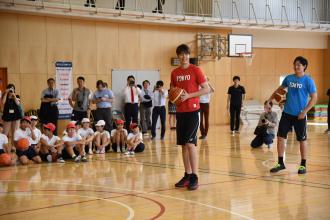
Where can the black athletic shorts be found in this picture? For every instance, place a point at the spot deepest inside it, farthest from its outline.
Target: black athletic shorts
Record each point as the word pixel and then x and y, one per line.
pixel 286 123
pixel 29 153
pixel 187 124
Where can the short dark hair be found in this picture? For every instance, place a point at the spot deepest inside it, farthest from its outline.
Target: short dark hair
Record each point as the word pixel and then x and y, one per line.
pixel 145 81
pixel 183 48
pixel 236 77
pixel 130 77
pixel 81 78
pixel 160 83
pixel 10 85
pixel 270 103
pixel 301 60
pixel 50 79
pixel 99 82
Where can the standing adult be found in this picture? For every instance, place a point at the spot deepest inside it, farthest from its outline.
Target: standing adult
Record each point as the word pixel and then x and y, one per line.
pixel 236 96
pixel 103 99
pixel 328 130
pixel 300 98
pixel 145 106
pixel 159 110
pixel 49 100
pixel 204 101
pixel 132 95
pixel 80 101
pixel 12 112
pixel 192 80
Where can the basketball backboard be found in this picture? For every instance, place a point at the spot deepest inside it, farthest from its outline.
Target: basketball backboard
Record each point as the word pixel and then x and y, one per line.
pixel 238 44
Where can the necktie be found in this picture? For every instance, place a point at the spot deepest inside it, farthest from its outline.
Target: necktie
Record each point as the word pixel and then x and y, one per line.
pixel 132 95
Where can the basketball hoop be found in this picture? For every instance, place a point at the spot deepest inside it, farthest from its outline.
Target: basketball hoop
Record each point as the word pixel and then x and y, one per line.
pixel 248 57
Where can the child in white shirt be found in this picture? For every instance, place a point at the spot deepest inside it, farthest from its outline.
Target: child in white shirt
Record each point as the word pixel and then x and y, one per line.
pixel 35 143
pixel 4 147
pixel 101 137
pixel 74 144
pixel 51 145
pixel 119 137
pixel 134 140
pixel 87 134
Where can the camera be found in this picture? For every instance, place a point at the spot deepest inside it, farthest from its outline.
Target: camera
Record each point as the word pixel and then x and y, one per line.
pixel 131 82
pixel 157 86
pixel 263 120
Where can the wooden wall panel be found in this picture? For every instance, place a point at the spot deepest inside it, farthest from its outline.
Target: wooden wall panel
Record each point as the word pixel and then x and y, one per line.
pixel 84 47
pixel 32 43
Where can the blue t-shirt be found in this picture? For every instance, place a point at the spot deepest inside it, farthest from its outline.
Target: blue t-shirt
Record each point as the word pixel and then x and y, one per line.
pixel 299 89
pixel 106 93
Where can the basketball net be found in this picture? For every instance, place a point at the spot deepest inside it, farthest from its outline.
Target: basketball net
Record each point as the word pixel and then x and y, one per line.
pixel 248 57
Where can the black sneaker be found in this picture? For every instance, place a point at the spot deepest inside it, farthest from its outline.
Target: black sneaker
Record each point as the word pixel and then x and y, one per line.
pixel 277 168
pixel 193 182
pixel 302 170
pixel 184 181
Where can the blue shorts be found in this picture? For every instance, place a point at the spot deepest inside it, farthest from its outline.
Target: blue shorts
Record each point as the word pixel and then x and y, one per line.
pixel 29 153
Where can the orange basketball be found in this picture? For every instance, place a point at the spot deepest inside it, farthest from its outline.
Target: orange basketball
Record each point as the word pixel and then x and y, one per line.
pixel 175 95
pixel 280 95
pixel 23 144
pixel 5 159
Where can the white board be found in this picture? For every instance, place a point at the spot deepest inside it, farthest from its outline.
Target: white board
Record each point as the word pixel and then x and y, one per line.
pixel 119 82
pixel 239 44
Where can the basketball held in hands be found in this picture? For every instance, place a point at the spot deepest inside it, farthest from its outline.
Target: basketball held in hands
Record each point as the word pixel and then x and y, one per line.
pixel 175 95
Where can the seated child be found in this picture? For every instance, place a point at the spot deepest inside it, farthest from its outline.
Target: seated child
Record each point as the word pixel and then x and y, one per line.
pixel 25 131
pixel 134 140
pixel 101 137
pixel 51 144
pixel 73 144
pixel 118 137
pixel 4 146
pixel 35 143
pixel 87 134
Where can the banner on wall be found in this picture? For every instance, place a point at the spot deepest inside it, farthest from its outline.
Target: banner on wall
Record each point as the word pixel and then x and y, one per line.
pixel 64 85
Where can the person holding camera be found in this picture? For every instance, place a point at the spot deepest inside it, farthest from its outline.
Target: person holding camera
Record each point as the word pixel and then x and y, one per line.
pixel 145 107
pixel 12 113
pixel 80 101
pixel 265 131
pixel 49 100
pixel 159 110
pixel 103 99
pixel 132 96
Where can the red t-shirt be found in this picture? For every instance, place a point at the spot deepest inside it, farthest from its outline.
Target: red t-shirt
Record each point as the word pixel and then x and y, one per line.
pixel 188 79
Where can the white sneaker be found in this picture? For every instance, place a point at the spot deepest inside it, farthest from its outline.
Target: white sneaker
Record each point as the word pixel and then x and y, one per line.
pixel 102 151
pixel 270 145
pixel 127 153
pixel 98 151
pixel 60 160
pixel 77 159
pixel 131 153
pixel 233 133
pixel 90 152
pixel 49 158
pixel 118 149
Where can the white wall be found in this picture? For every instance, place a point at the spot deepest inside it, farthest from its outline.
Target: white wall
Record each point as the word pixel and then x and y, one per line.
pixel 286 39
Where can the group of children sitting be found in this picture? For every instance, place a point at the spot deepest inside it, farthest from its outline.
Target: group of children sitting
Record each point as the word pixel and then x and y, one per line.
pixel 77 141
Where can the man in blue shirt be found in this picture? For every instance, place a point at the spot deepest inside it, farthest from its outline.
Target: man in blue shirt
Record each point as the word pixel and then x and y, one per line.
pixel 103 99
pixel 300 87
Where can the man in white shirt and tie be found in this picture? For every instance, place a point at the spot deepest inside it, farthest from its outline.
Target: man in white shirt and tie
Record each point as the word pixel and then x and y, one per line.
pixel 159 110
pixel 132 95
pixel 145 106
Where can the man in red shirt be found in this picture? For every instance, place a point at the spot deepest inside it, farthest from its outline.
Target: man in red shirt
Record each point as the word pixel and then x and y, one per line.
pixel 189 78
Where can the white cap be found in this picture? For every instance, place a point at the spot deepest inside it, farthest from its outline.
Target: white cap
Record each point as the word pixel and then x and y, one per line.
pixel 85 120
pixel 100 123
pixel 33 117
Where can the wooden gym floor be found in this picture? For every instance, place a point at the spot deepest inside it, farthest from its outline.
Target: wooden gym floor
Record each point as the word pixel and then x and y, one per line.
pixel 234 183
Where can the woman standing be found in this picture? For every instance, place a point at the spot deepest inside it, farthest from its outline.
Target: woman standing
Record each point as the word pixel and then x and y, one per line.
pixel 12 111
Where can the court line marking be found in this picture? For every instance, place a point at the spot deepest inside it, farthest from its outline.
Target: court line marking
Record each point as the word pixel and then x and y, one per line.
pixel 130 210
pixel 141 192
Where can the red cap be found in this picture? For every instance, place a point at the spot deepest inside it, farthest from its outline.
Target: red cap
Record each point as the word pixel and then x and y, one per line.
pixel 133 125
pixel 50 126
pixel 119 122
pixel 70 125
pixel 26 118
